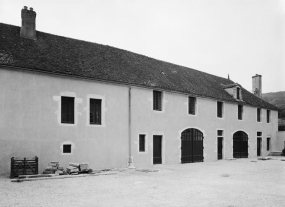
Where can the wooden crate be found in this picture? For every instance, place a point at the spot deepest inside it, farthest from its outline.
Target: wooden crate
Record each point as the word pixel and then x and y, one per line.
pixel 23 166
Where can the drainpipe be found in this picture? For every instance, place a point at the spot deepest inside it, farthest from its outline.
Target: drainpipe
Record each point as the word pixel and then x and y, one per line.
pixel 130 162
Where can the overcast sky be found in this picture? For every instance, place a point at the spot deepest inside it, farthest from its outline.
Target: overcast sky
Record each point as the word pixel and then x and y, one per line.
pixel 236 37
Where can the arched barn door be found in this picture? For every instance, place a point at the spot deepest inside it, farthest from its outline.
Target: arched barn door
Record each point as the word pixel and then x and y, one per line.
pixel 191 146
pixel 240 148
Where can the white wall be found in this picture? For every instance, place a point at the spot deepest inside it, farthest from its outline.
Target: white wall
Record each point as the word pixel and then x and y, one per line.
pixel 175 118
pixel 280 140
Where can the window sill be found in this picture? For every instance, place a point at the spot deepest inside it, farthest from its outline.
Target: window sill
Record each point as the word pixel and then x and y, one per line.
pixel 142 153
pixel 67 124
pixel 96 125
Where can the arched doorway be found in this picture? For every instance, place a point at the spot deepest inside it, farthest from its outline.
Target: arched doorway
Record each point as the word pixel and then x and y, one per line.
pixel 192 146
pixel 240 142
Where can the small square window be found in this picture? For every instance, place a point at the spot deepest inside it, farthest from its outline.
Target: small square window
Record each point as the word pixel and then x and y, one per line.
pixel 259 134
pixel 220 132
pixel 142 142
pixel 67 148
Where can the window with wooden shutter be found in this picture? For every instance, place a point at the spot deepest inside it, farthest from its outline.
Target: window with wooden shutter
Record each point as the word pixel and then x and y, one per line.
pixel 268 116
pixel 258 114
pixel 192 105
pixel 157 100
pixel 67 110
pixel 142 142
pixel 95 111
pixel 240 111
pixel 220 109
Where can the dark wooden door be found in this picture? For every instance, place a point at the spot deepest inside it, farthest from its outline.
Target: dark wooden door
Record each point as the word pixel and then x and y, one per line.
pixel 220 148
pixel 240 148
pixel 259 140
pixel 157 144
pixel 191 146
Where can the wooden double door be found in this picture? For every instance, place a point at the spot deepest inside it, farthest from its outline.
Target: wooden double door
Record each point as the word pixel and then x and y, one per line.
pixel 240 145
pixel 192 146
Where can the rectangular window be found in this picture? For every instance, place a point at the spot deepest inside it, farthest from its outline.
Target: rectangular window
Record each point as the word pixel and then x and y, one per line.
pixel 191 105
pixel 258 114
pixel 157 100
pixel 67 110
pixel 240 111
pixel 67 148
pixel 268 116
pixel 142 142
pixel 219 109
pixel 259 134
pixel 95 111
pixel 268 144
pixel 238 93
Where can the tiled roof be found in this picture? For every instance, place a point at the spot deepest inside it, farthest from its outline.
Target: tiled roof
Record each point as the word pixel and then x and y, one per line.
pixel 66 56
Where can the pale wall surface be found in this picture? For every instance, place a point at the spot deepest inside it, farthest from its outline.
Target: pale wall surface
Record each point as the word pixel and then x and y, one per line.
pixel 175 118
pixel 280 141
pixel 30 121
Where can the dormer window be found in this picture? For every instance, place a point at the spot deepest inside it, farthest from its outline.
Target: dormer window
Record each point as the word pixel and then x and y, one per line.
pixel 234 90
pixel 238 93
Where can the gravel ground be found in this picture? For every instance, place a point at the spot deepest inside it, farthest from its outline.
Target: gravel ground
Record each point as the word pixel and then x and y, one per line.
pixel 242 182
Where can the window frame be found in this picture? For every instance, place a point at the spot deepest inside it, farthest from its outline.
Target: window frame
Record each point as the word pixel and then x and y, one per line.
pixel 240 112
pixel 238 93
pixel 157 97
pixel 268 143
pixel 268 116
pixel 65 116
pixel 192 104
pixel 259 115
pixel 142 148
pixel 95 121
pixel 70 149
pixel 220 108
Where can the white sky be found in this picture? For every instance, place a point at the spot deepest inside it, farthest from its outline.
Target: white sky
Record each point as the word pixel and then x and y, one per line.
pixel 239 37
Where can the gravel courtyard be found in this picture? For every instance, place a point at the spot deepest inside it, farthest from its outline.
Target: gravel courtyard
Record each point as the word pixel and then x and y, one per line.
pixel 242 182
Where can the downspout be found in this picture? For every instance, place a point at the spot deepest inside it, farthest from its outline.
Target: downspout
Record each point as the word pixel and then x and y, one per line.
pixel 130 162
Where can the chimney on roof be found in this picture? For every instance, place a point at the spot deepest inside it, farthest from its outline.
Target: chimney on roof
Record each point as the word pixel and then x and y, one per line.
pixel 257 85
pixel 28 28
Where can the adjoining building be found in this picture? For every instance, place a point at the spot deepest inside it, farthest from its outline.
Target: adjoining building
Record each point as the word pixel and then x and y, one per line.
pixel 68 100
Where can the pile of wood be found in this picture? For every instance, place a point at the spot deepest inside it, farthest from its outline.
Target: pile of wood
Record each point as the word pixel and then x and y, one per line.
pixel 76 168
pixel 54 168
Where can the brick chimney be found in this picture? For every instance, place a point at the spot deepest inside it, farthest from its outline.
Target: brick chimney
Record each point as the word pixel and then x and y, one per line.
pixel 257 85
pixel 28 28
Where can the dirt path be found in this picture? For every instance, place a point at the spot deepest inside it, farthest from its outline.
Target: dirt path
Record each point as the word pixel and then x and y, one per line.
pixel 222 183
